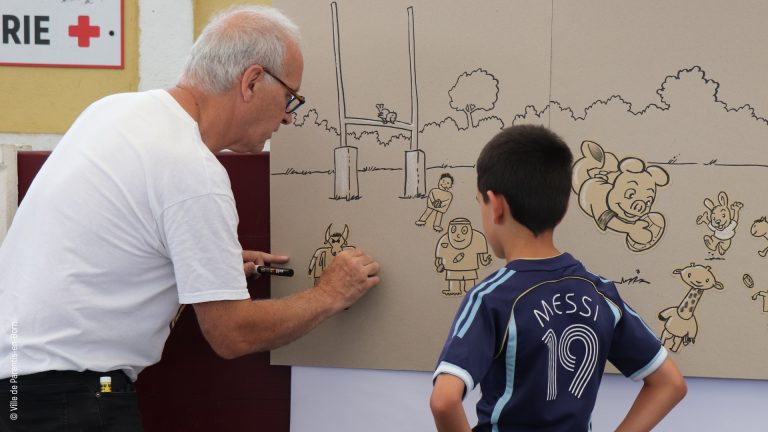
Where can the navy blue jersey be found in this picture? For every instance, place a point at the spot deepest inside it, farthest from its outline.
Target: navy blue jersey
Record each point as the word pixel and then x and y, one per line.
pixel 536 335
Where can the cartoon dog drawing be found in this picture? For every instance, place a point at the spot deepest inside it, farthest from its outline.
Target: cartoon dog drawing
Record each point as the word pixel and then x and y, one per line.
pixel 760 229
pixel 680 326
pixel 619 195
pixel 722 220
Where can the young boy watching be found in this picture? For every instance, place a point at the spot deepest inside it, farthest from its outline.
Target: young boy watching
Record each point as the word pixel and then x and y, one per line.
pixel 536 334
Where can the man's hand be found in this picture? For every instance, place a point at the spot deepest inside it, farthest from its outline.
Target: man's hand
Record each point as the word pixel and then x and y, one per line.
pixel 253 258
pixel 351 274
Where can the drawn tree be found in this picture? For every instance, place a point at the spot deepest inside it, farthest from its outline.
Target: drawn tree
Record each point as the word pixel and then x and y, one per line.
pixel 474 91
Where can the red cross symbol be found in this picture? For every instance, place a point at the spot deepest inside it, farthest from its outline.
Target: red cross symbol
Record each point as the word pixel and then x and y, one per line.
pixel 84 31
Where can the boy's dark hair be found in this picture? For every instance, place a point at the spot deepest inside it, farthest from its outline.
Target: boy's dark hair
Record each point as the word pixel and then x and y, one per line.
pixel 446 175
pixel 530 166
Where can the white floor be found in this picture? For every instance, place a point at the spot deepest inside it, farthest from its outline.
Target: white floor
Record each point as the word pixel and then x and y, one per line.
pixel 340 400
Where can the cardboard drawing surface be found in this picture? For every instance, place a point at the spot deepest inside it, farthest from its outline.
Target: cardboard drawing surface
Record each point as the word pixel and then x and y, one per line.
pixel 662 106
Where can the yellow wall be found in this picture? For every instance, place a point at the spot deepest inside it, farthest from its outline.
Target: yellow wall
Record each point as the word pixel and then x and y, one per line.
pixel 204 9
pixel 48 99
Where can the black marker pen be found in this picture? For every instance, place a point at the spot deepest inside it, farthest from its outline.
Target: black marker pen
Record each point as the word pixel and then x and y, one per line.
pixel 274 271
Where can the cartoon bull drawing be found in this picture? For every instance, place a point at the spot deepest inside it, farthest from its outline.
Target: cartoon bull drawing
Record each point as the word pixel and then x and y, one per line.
pixel 324 255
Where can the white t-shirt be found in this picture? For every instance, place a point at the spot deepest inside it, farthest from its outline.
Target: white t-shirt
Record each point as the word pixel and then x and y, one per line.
pixel 130 215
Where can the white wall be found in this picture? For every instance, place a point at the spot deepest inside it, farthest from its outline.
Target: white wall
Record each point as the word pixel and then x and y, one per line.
pixel 340 400
pixel 165 37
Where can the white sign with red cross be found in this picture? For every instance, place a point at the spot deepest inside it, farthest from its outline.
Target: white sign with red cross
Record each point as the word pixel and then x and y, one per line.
pixel 62 33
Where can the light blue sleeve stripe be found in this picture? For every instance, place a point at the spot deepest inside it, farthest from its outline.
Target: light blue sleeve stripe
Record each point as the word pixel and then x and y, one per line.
pixel 602 279
pixel 629 309
pixel 473 297
pixel 510 384
pixel 479 300
pixel 651 366
pixel 457 371
pixel 616 313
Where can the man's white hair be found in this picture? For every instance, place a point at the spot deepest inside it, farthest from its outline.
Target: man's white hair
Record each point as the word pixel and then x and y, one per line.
pixel 234 40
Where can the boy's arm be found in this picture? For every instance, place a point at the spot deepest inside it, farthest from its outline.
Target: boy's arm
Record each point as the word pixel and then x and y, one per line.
pixel 661 391
pixel 446 404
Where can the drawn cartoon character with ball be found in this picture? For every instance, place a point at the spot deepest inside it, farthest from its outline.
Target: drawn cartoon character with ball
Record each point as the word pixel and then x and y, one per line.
pixel 619 195
pixel 459 254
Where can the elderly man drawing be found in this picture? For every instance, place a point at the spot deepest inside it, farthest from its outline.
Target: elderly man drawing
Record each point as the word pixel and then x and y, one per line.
pixel 132 215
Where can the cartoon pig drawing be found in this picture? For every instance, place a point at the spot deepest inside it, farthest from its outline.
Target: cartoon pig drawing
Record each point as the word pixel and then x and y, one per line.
pixel 619 195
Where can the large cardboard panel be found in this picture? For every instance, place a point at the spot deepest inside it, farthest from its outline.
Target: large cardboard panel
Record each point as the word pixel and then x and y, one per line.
pixel 671 91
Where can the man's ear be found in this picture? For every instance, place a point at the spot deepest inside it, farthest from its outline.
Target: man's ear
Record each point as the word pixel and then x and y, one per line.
pixel 250 80
pixel 498 206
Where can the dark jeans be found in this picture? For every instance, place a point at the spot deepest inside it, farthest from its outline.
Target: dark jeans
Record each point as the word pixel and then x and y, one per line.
pixel 68 401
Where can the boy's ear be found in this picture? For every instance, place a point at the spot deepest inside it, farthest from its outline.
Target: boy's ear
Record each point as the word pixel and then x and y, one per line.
pixel 498 206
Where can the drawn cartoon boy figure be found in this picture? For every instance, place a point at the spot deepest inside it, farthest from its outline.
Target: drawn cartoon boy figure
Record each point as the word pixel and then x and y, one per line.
pixel 438 201
pixel 324 255
pixel 459 254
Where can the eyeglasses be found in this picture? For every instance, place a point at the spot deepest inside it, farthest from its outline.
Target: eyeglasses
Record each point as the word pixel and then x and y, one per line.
pixel 296 99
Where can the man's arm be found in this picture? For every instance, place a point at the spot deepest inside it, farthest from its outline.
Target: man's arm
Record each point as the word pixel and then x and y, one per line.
pixel 661 391
pixel 446 404
pixel 237 327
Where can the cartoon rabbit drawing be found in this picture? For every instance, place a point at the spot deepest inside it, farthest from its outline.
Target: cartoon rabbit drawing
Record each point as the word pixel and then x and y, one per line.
pixel 722 220
pixel 386 115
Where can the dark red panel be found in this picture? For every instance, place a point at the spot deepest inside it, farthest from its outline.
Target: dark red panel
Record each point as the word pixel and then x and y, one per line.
pixel 29 164
pixel 191 388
